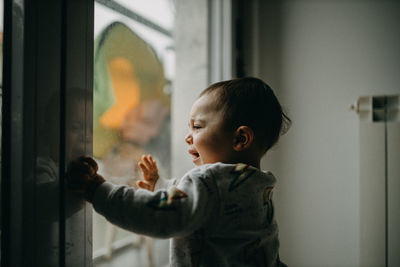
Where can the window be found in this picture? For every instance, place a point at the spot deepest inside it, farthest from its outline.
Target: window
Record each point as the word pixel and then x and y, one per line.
pixel 134 66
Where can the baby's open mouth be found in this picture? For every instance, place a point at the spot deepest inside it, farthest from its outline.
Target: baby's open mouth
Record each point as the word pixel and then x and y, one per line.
pixel 194 154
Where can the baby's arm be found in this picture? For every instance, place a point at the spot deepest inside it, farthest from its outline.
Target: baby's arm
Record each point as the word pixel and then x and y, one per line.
pixel 177 211
pixel 150 173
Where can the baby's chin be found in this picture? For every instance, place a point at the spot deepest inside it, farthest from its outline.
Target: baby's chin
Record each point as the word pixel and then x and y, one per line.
pixel 197 161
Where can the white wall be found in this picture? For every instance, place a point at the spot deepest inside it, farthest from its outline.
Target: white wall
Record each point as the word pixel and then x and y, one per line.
pixel 320 56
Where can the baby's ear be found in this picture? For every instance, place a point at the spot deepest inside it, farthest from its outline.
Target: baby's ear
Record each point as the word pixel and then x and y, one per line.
pixel 243 138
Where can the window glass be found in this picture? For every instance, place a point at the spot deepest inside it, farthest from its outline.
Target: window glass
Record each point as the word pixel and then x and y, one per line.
pixel 134 63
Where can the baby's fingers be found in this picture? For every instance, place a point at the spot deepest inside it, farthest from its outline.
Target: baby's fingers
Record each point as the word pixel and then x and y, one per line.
pixel 147 160
pixel 150 163
pixel 82 165
pixel 90 161
pixel 153 163
pixel 145 168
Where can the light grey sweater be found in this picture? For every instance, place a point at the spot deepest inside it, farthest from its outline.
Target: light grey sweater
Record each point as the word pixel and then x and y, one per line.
pixel 217 215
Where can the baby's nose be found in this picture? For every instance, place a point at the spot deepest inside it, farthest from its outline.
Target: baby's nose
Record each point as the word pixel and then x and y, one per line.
pixel 189 138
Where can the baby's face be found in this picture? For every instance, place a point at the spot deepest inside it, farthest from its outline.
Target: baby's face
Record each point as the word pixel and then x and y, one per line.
pixel 208 140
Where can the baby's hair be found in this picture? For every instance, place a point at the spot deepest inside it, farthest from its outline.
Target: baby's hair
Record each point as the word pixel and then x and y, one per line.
pixel 251 102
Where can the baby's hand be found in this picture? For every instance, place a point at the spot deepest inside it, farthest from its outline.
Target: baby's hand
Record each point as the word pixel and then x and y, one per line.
pixel 150 173
pixel 82 176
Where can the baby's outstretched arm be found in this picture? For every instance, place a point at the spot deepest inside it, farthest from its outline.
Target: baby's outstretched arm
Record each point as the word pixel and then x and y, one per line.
pixel 150 173
pixel 82 177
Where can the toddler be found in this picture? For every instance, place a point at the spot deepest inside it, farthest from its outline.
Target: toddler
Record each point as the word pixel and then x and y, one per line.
pixel 221 212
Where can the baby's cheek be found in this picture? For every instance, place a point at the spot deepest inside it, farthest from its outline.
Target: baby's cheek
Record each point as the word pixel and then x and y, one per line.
pixel 213 141
pixel 208 146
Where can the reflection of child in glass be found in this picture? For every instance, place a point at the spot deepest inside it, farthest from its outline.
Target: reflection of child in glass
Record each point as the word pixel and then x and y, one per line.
pixel 219 213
